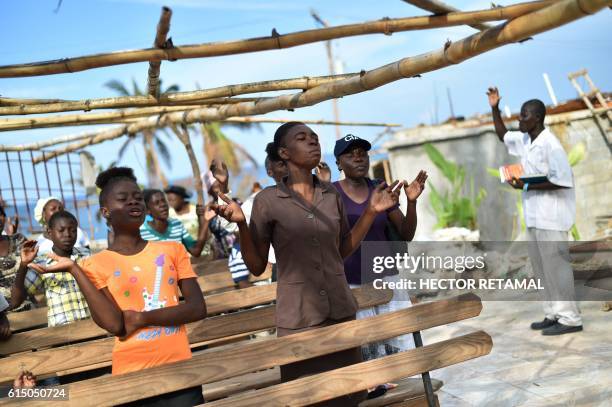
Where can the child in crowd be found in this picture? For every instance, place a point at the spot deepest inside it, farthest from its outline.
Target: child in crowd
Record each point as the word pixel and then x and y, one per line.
pixel 65 301
pixel 45 208
pixel 164 228
pixel 133 288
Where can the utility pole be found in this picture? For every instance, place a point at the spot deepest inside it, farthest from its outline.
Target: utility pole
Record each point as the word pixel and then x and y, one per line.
pixel 450 103
pixel 332 70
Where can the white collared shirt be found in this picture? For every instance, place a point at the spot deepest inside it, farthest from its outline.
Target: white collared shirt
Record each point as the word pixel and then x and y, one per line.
pixel 554 209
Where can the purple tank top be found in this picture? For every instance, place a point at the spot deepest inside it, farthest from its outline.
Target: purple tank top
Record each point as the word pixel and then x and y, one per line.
pixel 352 264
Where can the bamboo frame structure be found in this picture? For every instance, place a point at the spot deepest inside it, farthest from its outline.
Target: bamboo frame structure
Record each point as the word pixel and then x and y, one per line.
pixel 125 116
pixel 437 7
pixel 87 135
pixel 384 26
pixel 554 15
pixel 183 136
pixel 163 27
pixel 202 96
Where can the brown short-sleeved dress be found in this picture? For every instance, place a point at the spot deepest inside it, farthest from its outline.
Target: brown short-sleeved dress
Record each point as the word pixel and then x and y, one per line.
pixel 312 290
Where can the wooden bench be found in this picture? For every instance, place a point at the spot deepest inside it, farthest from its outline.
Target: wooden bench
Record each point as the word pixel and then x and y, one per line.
pixel 97 353
pixel 87 329
pixel 212 277
pixel 215 367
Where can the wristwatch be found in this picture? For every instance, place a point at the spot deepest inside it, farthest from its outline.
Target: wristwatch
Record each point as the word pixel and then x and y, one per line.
pixel 525 186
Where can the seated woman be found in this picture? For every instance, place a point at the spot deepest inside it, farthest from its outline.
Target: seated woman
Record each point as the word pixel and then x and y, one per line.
pixel 164 228
pixel 10 262
pixel 182 209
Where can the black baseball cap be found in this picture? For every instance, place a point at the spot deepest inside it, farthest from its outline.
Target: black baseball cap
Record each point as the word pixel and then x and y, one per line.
pixel 178 190
pixel 350 140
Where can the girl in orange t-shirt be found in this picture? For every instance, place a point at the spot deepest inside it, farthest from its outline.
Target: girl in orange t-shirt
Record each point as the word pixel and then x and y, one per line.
pixel 132 288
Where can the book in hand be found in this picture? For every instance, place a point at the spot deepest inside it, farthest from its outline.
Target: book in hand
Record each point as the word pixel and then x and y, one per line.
pixel 508 172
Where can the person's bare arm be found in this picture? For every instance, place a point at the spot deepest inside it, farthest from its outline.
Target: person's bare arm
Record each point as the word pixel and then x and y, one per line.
pixel 254 253
pixel 383 197
pixel 500 127
pixel 192 309
pixel 104 311
pixel 18 290
pixel 205 214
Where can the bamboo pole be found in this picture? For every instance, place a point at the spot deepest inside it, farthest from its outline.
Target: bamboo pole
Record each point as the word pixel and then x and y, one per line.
pixel 16 102
pixel 95 118
pixel 384 26
pixel 183 136
pixel 557 14
pixel 192 97
pixel 163 27
pixel 438 7
pixel 125 116
pixel 67 139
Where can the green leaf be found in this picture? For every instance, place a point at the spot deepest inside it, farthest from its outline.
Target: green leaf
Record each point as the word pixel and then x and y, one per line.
pixel 494 172
pixel 576 154
pixel 448 169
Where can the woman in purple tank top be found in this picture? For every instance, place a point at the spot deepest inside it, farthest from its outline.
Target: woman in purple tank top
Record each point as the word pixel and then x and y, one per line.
pixel 352 158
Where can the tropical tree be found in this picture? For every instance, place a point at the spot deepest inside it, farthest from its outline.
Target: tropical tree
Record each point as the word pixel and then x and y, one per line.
pixel 153 144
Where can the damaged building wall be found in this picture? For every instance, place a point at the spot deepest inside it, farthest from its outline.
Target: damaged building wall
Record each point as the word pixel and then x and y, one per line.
pixel 475 146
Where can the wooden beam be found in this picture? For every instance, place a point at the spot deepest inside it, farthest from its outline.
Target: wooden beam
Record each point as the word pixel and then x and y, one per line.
pixel 275 41
pixel 94 352
pixel 203 96
pixel 250 356
pixel 87 329
pixel 163 27
pixel 123 116
pixel 440 8
pixel 362 376
pixel 559 13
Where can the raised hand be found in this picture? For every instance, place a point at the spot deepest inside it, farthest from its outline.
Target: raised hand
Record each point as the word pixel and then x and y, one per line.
pixel 12 225
pixel 416 187
pixel 28 251
pixel 231 211
pixel 219 171
pixel 494 97
pixel 25 380
pixel 323 171
pixel 384 197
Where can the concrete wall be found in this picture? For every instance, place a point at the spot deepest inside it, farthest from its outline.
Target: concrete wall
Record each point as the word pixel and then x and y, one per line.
pixel 477 148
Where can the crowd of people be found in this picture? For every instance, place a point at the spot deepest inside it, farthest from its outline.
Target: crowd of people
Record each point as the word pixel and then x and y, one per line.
pixel 132 288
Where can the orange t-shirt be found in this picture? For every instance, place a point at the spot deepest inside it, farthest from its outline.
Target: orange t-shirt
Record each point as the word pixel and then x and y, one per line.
pixel 142 282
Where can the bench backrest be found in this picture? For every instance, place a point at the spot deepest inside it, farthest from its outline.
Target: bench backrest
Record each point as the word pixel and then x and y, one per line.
pixel 210 329
pixel 238 359
pixel 212 277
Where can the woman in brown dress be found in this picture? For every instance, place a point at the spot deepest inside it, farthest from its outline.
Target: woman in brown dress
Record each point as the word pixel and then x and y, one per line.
pixel 304 220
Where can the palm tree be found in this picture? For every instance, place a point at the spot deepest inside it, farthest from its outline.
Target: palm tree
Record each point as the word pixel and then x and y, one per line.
pixel 152 143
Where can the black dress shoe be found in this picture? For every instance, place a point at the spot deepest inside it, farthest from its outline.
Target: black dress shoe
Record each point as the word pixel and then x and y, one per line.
pixel 560 329
pixel 547 323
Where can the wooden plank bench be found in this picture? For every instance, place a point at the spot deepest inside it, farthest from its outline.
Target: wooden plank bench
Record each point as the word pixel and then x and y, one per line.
pixel 218 364
pixel 87 329
pixel 99 351
pixel 212 277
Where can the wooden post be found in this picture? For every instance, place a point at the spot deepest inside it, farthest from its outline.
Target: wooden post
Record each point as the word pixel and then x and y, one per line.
pixel 183 135
pixel 160 42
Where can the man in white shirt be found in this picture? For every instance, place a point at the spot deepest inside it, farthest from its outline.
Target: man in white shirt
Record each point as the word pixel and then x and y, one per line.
pixel 549 208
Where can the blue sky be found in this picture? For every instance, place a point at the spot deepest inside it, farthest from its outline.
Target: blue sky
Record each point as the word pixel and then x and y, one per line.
pixel 79 28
